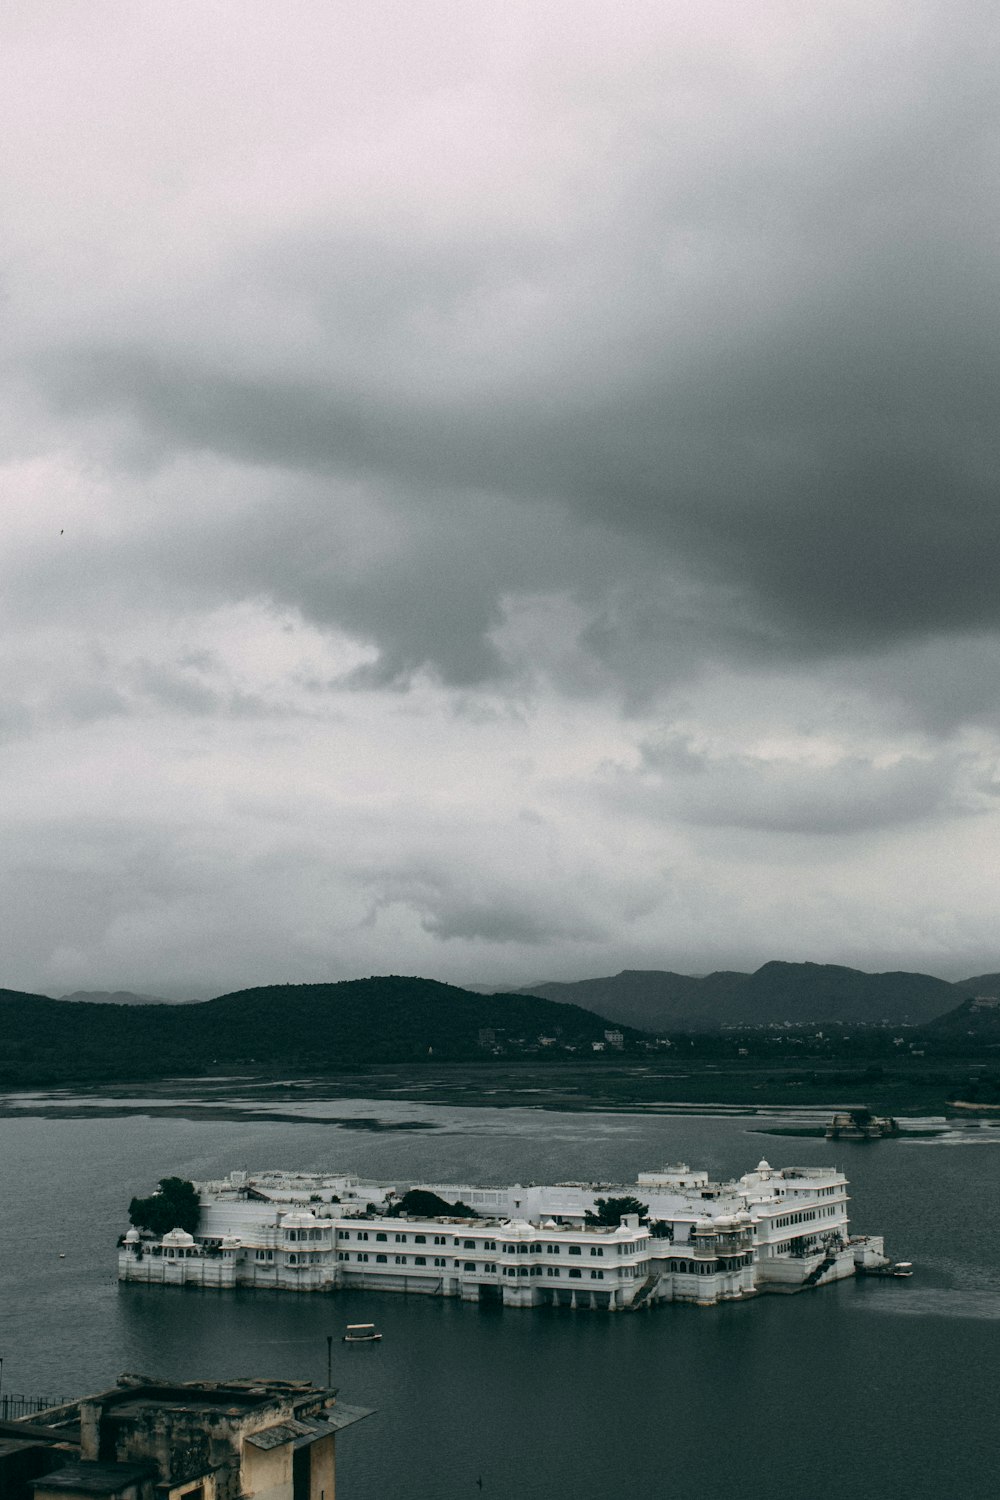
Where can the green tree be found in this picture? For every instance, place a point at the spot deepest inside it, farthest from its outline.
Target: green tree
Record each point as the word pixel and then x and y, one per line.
pixel 174 1205
pixel 419 1204
pixel 610 1211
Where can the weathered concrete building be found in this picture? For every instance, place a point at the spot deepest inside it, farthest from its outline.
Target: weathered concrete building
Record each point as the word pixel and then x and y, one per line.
pixel 156 1440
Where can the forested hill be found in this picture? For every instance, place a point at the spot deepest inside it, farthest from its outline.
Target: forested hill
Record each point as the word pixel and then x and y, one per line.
pixel 795 992
pixel 298 1027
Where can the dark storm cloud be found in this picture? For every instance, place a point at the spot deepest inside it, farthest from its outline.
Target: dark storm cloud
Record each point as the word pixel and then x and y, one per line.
pixel 395 396
pixel 769 365
pixel 480 906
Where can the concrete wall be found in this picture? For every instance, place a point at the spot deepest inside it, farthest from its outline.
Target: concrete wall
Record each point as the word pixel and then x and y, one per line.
pixel 266 1473
pixel 322 1484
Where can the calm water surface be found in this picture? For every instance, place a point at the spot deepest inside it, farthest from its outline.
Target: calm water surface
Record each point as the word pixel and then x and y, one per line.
pixel 877 1389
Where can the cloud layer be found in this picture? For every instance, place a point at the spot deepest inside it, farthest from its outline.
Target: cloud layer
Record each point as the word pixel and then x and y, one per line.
pixel 478 484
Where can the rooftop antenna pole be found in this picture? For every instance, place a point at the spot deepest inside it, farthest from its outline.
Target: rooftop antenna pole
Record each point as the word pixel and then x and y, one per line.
pixel 329 1360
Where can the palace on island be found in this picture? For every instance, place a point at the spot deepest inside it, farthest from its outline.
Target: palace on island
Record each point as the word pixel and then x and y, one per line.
pixel 772 1230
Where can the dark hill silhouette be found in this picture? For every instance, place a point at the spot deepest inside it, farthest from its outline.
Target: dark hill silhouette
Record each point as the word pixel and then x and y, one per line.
pixel 981 984
pixel 970 1018
pixel 299 1027
pixel 801 992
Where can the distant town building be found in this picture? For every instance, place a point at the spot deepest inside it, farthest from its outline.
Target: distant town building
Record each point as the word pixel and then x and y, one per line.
pixel 615 1038
pixel 487 1037
pixel 147 1439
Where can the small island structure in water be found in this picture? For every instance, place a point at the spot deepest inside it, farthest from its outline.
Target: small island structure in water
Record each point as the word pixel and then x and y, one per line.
pixel 861 1125
pixel 671 1236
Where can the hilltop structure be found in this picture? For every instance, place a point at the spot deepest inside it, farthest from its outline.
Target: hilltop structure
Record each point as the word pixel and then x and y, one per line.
pixel 697 1241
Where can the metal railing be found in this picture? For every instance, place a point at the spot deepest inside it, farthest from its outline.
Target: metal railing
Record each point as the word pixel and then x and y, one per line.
pixel 12 1407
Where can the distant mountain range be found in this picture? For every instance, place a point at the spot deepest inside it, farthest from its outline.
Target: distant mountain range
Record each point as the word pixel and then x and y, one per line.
pixel 309 1028
pixel 118 997
pixel 658 1000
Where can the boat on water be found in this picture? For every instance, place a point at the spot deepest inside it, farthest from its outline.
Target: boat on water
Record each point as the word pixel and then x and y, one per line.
pixel 896 1268
pixel 361 1333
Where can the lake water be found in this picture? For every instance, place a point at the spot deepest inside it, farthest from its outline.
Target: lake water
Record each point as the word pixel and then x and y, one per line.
pixel 868 1388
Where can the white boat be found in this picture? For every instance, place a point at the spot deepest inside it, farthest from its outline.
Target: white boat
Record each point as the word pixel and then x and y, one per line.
pixel 361 1333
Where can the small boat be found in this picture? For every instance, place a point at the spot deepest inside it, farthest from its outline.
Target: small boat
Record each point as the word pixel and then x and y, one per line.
pixel 361 1333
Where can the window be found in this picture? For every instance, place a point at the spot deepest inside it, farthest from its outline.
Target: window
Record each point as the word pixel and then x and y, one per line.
pixel 597 1275
pixel 381 1236
pixel 381 1259
pixel 401 1260
pixel 575 1274
pixel 291 1259
pixel 345 1234
pixel 510 1271
pixel 523 1270
pixel 552 1270
pixel 468 1244
pixel 509 1249
pixel 490 1245
pixel 575 1250
pixel 597 1249
pixel 342 1254
pixel 491 1269
pixel 523 1249
pixel 420 1239
pixel 440 1261
pixel 470 1265
pixel 552 1249
pixel 440 1239
pixel 362 1234
pixel 400 1239
pixel 362 1255
pixel 420 1260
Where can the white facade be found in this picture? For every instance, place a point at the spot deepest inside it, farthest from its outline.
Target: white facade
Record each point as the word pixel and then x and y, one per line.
pixel 701 1242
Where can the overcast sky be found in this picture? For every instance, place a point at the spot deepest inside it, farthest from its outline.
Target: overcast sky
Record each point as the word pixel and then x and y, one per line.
pixel 499 492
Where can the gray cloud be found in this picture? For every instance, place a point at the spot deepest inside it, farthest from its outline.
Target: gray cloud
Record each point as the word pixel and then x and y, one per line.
pixel 758 354
pixel 853 796
pixel 412 418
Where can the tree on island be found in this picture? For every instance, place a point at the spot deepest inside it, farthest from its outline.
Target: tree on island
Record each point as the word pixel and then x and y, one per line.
pixel 419 1204
pixel 174 1205
pixel 611 1211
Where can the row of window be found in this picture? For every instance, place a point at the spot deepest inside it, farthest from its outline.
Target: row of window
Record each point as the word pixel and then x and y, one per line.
pixel 304 1234
pixel 471 1266
pixel 574 1274
pixel 402 1260
pixel 794 1219
pixel 535 1247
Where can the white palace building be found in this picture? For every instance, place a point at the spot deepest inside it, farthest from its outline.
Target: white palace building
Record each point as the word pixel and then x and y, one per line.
pixel 702 1242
